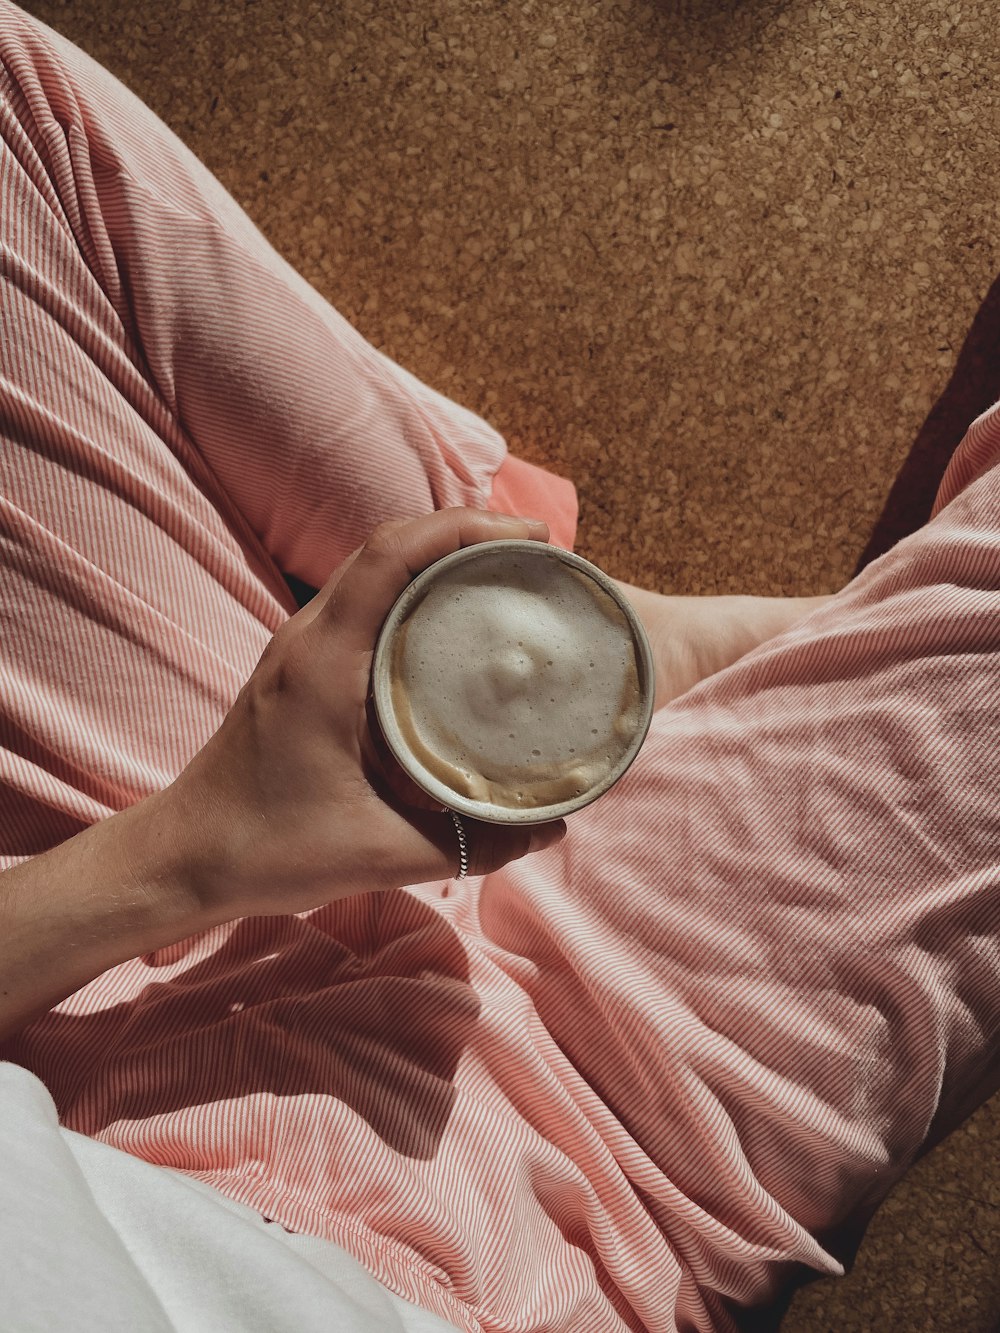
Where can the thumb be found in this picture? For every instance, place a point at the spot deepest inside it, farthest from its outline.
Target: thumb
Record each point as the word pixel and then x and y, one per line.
pixel 360 595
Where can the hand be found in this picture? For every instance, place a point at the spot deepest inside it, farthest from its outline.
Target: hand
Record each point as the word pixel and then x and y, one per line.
pixel 292 803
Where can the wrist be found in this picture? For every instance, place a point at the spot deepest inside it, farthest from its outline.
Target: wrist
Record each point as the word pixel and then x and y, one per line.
pixel 114 891
pixel 163 871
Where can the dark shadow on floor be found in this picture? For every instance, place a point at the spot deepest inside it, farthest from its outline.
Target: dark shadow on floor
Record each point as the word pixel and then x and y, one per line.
pixel 974 386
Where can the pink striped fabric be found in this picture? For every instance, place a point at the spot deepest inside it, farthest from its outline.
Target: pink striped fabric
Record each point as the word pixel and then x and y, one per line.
pixel 641 1081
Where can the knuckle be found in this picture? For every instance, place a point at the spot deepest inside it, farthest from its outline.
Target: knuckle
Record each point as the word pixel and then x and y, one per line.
pixel 283 666
pixel 384 540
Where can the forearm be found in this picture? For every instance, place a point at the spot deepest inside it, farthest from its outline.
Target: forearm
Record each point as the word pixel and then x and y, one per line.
pixel 116 890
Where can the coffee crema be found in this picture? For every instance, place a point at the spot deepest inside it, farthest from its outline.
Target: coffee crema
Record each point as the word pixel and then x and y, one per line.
pixel 515 679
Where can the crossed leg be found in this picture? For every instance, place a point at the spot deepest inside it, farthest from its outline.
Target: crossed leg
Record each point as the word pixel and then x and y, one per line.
pixel 747 990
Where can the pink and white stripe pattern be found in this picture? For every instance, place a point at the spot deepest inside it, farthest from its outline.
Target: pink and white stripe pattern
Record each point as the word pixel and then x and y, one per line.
pixel 634 1083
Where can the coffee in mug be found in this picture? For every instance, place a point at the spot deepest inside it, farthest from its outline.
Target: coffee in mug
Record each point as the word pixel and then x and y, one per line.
pixel 513 682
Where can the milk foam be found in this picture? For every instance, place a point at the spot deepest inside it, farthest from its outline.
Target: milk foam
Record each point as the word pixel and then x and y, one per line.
pixel 515 680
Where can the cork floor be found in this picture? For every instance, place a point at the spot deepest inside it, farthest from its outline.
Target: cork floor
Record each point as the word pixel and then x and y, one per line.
pixel 713 260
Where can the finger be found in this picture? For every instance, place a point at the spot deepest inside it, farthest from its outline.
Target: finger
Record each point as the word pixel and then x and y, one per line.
pixel 395 553
pixel 490 847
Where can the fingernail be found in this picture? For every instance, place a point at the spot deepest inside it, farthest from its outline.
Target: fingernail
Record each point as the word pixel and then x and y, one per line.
pixel 519 519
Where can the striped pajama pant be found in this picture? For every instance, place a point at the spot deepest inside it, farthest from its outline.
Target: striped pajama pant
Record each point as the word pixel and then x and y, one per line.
pixel 643 1080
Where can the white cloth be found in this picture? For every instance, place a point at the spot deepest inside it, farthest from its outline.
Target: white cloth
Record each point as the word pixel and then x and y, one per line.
pixel 94 1239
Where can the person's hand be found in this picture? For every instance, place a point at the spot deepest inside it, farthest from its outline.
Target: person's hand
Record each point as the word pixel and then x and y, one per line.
pixel 293 803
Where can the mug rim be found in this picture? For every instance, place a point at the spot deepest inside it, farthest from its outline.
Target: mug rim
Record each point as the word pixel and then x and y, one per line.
pixel 432 786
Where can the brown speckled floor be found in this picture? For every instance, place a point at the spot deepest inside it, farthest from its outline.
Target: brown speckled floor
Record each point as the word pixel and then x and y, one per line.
pixel 712 260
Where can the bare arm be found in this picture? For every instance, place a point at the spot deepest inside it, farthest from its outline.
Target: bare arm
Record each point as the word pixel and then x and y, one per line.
pixel 116 890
